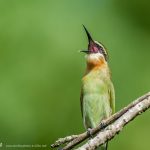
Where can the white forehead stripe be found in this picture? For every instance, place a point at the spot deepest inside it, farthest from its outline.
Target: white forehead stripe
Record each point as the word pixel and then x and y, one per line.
pixel 99 44
pixel 104 50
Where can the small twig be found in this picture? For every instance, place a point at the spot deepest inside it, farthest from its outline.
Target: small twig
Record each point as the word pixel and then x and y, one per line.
pixel 61 141
pixel 76 139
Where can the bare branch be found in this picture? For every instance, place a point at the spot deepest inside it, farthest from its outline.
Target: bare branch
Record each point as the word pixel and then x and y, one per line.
pixel 109 127
pixel 61 141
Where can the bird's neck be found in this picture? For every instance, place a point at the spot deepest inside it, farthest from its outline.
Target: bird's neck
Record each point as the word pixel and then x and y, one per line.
pixel 96 64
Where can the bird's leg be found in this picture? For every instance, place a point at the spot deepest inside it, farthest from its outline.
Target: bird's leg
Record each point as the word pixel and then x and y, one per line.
pixel 89 132
pixel 59 148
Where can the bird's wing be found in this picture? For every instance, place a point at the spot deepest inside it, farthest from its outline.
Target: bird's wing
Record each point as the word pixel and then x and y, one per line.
pixel 112 98
pixel 81 101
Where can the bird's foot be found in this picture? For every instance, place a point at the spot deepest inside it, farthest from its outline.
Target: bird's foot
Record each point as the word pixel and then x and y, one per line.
pixel 102 124
pixel 89 132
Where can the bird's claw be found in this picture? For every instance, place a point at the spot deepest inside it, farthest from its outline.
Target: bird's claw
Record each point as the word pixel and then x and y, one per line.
pixel 89 132
pixel 102 125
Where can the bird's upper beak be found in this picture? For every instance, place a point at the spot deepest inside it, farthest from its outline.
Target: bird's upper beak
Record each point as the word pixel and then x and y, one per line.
pixel 90 40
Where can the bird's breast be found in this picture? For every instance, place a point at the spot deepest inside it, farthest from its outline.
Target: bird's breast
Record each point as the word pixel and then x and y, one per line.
pixel 96 80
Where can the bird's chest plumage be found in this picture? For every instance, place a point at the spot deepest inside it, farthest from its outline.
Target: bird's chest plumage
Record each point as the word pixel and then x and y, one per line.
pixel 95 82
pixel 96 105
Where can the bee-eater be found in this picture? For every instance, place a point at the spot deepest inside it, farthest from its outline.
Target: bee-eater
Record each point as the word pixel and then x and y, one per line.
pixel 97 92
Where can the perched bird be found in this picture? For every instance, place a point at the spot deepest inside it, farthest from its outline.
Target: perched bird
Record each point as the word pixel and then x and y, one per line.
pixel 97 92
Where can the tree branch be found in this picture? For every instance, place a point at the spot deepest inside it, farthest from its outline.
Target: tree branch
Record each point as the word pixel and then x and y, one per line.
pixel 108 128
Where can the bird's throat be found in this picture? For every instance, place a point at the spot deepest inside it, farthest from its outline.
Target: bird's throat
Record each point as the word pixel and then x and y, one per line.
pixel 96 64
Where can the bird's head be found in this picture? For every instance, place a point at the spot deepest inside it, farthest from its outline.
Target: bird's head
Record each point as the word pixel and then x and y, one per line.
pixel 96 51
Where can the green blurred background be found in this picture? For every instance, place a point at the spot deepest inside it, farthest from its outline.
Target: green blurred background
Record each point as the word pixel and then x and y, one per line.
pixel 41 68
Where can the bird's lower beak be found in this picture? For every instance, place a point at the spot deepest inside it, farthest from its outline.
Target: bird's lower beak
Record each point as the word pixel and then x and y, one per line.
pixel 85 51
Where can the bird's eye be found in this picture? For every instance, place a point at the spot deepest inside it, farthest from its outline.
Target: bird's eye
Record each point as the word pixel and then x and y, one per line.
pixel 100 49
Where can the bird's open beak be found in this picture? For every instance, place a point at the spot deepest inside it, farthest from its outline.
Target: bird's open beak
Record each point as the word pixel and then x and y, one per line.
pixel 85 51
pixel 88 35
pixel 90 40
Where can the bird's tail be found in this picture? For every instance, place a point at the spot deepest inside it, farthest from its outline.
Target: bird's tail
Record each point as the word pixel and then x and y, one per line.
pixel 104 146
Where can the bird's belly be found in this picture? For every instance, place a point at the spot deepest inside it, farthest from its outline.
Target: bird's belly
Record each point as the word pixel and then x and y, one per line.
pixel 96 107
pixel 96 100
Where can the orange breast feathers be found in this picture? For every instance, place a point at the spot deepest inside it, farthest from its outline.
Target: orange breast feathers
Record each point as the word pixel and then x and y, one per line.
pixel 95 61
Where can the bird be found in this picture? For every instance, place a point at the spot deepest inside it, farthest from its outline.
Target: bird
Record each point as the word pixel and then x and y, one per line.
pixel 97 91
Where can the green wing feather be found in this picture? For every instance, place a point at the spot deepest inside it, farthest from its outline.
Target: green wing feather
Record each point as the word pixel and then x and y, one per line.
pixel 112 98
pixel 81 101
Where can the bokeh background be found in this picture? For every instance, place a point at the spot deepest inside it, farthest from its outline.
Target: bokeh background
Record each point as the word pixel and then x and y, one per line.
pixel 41 68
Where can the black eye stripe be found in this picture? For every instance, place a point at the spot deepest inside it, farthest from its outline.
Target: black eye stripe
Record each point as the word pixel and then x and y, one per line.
pixel 102 50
